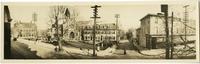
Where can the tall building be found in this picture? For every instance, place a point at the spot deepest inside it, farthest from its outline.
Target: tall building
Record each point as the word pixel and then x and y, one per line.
pixel 151 33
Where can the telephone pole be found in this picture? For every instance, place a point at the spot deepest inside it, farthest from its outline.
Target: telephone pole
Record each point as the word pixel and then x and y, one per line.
pixel 186 20
pixel 164 8
pixel 172 44
pixel 94 26
pixel 117 28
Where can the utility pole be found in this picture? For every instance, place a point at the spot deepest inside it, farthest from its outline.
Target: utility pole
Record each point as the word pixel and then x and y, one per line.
pixel 94 27
pixel 164 8
pixel 117 28
pixel 172 44
pixel 186 20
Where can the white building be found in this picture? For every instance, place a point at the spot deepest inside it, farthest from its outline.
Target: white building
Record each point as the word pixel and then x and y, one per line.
pixel 25 30
pixel 151 33
pixel 103 32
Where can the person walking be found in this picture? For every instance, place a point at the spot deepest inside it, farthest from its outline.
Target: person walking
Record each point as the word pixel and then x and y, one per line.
pixel 36 40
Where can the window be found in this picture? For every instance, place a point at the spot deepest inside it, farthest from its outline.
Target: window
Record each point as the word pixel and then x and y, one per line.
pixel 108 32
pixel 113 32
pixel 99 26
pixel 102 32
pixel 90 38
pixel 86 27
pixel 156 30
pixel 106 27
pixel 85 37
pixel 156 20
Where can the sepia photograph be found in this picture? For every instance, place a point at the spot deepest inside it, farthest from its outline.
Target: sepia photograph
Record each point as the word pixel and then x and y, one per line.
pixel 104 30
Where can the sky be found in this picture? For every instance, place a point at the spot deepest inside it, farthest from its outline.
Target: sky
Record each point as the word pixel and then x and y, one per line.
pixel 130 15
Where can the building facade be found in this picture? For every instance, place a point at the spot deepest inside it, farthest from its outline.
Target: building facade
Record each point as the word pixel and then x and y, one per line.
pixel 151 33
pixel 25 30
pixel 103 32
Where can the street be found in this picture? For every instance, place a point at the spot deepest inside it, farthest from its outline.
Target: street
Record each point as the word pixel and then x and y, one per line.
pixel 22 49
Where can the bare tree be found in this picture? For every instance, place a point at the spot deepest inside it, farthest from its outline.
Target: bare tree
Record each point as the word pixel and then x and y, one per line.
pixel 57 13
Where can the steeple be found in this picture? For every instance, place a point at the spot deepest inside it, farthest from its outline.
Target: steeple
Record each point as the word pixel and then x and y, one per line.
pixel 34 17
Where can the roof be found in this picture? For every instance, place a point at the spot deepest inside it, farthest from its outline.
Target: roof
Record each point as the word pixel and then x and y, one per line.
pixel 159 14
pixel 101 26
pixel 25 24
pixel 7 14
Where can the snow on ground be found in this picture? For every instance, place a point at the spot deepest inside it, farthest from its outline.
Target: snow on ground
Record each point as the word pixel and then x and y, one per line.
pixel 108 51
pixel 189 50
pixel 180 50
pixel 153 51
pixel 182 46
pixel 123 41
pixel 44 50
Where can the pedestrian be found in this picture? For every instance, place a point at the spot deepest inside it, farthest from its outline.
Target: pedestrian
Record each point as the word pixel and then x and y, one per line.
pixel 36 40
pixel 98 48
pixel 124 51
pixel 88 51
pixel 136 46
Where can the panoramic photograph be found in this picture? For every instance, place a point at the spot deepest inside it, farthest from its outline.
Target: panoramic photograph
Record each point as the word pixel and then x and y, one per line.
pixel 100 31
